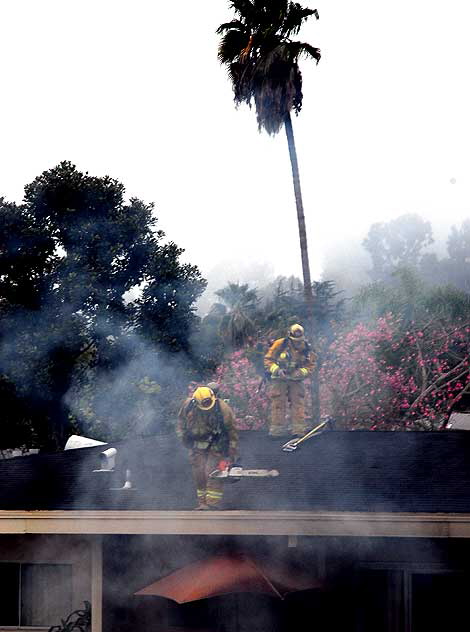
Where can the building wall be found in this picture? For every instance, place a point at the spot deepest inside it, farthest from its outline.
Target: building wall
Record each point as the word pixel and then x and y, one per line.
pixel 355 573
pixel 53 549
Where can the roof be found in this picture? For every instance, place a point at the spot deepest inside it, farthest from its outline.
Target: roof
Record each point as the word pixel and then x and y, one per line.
pixel 337 471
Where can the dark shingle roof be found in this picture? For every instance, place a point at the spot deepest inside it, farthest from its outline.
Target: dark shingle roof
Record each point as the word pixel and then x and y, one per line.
pixel 337 471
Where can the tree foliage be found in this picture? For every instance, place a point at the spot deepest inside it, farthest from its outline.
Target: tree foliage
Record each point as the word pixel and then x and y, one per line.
pixel 411 298
pixel 71 255
pixel 455 268
pixel 398 243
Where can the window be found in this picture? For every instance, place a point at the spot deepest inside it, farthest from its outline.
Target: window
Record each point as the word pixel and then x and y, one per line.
pixel 439 601
pixel 378 595
pixel 410 599
pixel 35 594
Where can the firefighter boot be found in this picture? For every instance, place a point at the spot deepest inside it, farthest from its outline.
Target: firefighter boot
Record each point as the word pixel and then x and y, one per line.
pixel 214 493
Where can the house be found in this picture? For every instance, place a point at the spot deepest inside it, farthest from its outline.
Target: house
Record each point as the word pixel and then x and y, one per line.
pixel 380 519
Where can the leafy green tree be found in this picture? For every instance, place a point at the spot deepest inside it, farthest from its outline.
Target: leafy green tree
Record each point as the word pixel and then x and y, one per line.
pixel 165 312
pixel 453 270
pixel 458 243
pixel 411 299
pixel 207 343
pixel 262 62
pixel 398 243
pixel 70 256
pixel 458 263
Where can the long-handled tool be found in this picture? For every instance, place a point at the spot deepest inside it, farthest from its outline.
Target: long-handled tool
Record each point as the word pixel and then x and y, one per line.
pixel 293 444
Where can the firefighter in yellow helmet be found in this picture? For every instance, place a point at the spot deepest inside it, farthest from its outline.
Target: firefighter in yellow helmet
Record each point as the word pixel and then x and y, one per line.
pixel 206 426
pixel 289 362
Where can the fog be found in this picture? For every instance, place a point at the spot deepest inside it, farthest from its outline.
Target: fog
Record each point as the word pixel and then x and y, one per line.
pixel 136 91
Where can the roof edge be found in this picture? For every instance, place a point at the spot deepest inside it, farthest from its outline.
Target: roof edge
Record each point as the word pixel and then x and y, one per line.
pixel 274 523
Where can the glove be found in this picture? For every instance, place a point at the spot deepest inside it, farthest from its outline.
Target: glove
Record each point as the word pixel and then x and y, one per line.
pixel 300 374
pixel 224 464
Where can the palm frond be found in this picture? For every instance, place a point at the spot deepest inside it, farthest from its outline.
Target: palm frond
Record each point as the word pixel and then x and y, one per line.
pixel 227 26
pixel 261 59
pixel 295 16
pixel 244 8
pixel 276 85
pixel 231 45
pixel 296 49
pixel 238 296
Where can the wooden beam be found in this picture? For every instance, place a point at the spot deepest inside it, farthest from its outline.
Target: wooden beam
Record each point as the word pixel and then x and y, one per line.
pixel 289 523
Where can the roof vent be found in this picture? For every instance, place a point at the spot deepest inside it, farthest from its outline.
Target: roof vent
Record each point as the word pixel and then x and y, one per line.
pixel 107 460
pixel 459 421
pixel 127 485
pixel 75 441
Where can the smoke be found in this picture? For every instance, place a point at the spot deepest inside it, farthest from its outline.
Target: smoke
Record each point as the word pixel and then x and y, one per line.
pixel 256 275
pixel 137 393
pixel 354 262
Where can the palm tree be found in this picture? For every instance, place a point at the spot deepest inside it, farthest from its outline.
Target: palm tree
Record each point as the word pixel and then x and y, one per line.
pixel 238 325
pixel 263 65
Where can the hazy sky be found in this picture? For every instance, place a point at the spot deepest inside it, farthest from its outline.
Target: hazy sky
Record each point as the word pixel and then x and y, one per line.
pixel 134 90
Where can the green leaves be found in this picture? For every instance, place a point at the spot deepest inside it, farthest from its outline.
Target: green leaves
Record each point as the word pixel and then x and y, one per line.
pixel 69 257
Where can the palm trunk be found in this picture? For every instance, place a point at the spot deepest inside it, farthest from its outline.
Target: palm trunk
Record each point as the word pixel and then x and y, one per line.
pixel 308 293
pixel 300 215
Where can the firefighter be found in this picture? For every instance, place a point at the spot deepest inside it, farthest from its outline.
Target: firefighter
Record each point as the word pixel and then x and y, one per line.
pixel 206 426
pixel 289 362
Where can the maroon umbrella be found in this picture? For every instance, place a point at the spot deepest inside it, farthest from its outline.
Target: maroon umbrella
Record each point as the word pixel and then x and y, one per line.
pixel 224 574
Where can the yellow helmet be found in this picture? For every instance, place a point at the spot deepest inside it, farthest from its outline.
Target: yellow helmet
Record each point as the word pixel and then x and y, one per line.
pixel 296 332
pixel 204 398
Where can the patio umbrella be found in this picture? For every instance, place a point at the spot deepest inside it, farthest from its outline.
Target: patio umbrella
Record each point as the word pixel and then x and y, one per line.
pixel 224 574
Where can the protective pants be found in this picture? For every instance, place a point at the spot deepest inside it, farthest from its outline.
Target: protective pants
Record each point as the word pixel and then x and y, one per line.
pixel 209 490
pixel 281 392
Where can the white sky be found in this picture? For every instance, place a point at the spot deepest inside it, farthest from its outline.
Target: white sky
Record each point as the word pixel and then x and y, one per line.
pixel 134 90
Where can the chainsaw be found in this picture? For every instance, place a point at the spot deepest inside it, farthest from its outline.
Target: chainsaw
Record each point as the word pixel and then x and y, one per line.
pixel 227 470
pixel 293 444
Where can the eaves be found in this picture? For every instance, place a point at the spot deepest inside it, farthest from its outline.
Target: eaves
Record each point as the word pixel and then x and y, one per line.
pixel 289 523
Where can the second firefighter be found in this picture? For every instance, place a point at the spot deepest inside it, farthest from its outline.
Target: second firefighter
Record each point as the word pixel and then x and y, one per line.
pixel 289 362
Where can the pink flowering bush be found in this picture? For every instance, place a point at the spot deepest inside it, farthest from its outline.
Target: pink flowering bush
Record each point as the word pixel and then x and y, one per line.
pixel 240 383
pixel 386 376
